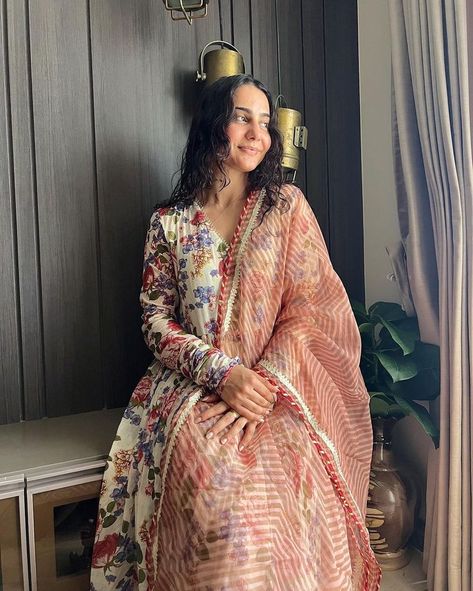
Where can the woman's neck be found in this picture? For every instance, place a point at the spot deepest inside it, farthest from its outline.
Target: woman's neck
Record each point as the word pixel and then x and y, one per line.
pixel 234 191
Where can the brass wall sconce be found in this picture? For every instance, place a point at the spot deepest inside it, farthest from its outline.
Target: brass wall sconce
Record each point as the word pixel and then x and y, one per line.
pixel 294 137
pixel 217 63
pixel 187 9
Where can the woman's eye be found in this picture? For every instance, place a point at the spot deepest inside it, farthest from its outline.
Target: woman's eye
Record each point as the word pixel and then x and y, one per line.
pixel 265 124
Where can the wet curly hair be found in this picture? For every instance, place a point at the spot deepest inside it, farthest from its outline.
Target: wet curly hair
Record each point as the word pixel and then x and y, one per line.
pixel 208 146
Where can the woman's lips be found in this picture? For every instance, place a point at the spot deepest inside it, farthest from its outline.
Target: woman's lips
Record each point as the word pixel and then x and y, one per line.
pixel 249 150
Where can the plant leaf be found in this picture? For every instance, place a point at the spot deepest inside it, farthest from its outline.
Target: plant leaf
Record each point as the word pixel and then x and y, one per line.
pixel 387 310
pixel 406 339
pixel 398 366
pixel 366 327
pixel 421 414
pixel 386 396
pixel 360 312
pixel 380 408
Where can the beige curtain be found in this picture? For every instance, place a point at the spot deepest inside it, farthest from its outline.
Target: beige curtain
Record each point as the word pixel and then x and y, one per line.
pixel 434 182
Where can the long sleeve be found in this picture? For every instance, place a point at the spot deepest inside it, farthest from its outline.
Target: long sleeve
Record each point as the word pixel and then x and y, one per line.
pixel 166 338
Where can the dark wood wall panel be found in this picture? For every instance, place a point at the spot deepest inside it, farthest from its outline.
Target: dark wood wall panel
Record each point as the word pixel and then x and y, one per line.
pixel 10 353
pixel 264 43
pixel 225 14
pixel 26 210
pixel 291 68
pixel 139 138
pixel 64 148
pixel 313 48
pixel 242 28
pixel 97 98
pixel 344 157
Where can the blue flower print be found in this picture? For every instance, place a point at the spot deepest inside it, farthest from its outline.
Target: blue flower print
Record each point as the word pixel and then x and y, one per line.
pixel 204 295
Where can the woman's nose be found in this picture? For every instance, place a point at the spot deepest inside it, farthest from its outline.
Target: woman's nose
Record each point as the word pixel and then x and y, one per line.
pixel 254 130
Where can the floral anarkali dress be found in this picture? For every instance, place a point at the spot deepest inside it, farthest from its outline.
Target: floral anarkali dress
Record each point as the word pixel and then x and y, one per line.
pixel 179 512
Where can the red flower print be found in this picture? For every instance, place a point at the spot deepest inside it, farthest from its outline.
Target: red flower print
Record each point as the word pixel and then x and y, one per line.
pixel 198 219
pixel 141 392
pixel 148 277
pixel 104 550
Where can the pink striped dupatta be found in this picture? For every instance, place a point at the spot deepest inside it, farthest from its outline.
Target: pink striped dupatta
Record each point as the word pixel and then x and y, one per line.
pixel 284 311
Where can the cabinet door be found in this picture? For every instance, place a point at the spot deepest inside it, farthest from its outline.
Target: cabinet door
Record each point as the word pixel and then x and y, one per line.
pixel 64 528
pixel 11 564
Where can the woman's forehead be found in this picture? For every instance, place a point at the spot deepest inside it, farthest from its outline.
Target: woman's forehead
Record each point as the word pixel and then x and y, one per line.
pixel 251 97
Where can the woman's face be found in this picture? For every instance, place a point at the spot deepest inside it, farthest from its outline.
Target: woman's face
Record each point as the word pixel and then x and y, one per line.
pixel 248 129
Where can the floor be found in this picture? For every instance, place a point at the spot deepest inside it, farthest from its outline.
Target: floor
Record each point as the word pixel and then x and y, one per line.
pixel 409 578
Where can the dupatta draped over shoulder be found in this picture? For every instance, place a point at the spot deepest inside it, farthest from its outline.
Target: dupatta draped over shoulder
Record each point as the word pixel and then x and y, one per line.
pixel 280 309
pixel 285 313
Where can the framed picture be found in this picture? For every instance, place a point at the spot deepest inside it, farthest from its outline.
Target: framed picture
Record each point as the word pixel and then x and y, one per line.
pixel 13 553
pixel 61 519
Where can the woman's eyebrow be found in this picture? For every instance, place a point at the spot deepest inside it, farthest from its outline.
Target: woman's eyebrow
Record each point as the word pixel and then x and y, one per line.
pixel 251 112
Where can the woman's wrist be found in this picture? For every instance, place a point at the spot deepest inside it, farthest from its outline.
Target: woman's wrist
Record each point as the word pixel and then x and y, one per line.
pixel 224 379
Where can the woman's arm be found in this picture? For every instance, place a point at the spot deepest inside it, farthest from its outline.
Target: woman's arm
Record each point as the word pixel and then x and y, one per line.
pixel 166 338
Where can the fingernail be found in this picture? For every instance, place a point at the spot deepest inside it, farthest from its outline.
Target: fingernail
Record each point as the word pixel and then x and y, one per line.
pixel 209 435
pixel 261 419
pixel 223 441
pixel 275 398
pixel 205 398
pixel 241 448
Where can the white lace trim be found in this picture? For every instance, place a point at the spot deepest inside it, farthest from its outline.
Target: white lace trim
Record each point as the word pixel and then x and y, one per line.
pixel 314 424
pixel 236 275
pixel 170 448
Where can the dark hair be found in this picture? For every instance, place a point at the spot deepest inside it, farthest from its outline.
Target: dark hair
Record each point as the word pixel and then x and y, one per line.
pixel 208 145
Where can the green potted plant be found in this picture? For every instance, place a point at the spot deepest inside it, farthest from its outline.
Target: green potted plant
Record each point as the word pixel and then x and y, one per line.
pixel 397 367
pixel 399 370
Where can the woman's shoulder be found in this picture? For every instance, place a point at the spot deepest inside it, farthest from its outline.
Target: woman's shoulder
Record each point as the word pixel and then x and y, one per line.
pixel 171 215
pixel 175 210
pixel 293 197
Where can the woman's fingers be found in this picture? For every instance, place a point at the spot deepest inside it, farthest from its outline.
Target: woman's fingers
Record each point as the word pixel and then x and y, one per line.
pixel 247 435
pixel 265 389
pixel 232 434
pixel 257 414
pixel 227 419
pixel 212 411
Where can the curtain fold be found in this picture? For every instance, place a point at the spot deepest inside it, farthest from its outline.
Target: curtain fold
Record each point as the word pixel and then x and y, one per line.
pixel 434 173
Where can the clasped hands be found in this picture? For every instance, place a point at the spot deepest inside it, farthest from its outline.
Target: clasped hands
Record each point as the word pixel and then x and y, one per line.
pixel 245 400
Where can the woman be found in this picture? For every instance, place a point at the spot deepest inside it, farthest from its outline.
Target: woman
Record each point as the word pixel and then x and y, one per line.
pixel 242 460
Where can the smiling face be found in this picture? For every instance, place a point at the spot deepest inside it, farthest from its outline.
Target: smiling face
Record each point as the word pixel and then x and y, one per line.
pixel 247 131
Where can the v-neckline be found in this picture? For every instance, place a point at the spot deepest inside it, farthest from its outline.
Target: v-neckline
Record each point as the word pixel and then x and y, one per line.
pixel 211 225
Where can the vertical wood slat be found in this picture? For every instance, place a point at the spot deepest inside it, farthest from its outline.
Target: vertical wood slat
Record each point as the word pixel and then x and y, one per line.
pixel 291 67
pixel 66 208
pixel 242 31
pixel 10 346
pixel 264 43
pixel 26 210
pixel 313 47
pixel 343 143
pixel 226 26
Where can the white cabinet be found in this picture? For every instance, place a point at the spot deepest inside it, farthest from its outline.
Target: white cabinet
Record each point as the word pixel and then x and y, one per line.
pixel 48 505
pixel 13 552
